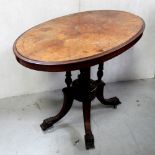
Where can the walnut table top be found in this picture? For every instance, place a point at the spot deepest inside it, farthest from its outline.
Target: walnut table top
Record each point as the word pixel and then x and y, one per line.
pixel 78 40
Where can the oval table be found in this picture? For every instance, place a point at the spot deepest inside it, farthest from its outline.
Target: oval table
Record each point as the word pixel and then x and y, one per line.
pixel 77 42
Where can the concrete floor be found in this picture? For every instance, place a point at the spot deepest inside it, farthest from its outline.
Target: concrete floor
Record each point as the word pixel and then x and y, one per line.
pixel 128 130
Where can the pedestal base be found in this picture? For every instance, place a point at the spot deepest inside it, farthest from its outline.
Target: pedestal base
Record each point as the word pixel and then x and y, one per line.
pixel 84 90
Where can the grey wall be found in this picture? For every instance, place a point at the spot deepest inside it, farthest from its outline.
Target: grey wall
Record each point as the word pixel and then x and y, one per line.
pixel 17 16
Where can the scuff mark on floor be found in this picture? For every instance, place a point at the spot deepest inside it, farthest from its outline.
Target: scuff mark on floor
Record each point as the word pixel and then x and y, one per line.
pixel 76 142
pixel 37 105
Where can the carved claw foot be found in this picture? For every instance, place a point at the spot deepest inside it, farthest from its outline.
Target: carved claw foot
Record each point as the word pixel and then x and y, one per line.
pixel 114 101
pixel 89 141
pixel 47 123
pixel 68 101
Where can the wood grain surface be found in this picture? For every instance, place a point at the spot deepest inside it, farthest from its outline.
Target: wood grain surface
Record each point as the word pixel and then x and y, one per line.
pixel 78 37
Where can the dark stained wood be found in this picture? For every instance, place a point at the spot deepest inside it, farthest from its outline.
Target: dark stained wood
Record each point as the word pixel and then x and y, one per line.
pixel 83 89
pixel 68 79
pixel 67 104
pixel 100 71
pixel 89 138
pixel 114 101
pixel 79 40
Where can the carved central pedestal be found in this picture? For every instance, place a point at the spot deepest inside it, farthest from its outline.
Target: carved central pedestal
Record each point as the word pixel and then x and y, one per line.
pixel 84 90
